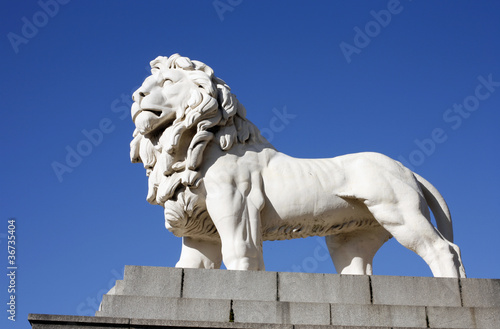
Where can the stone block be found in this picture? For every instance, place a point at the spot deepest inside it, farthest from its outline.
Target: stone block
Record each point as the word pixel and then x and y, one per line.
pixel 117 288
pixel 223 284
pixel 487 317
pixel 450 317
pixel 378 315
pixel 324 288
pixel 342 327
pixel 150 281
pixel 255 312
pixel 480 292
pixel 144 307
pixel 415 291
pixel 49 321
pixel 157 324
pixel 46 321
pixel 281 312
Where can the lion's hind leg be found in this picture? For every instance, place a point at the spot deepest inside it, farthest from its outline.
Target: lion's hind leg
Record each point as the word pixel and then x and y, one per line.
pixel 405 220
pixel 353 252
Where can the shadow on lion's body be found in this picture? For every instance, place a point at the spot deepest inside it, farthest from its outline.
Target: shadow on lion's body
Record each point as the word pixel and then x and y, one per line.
pixel 225 189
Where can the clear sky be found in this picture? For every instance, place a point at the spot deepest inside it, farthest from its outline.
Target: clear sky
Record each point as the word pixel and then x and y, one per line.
pixel 415 80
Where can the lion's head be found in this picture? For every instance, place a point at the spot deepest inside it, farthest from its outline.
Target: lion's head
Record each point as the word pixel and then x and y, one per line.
pixel 177 111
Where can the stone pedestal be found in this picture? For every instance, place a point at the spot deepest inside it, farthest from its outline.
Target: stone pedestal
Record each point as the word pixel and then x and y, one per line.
pixel 158 297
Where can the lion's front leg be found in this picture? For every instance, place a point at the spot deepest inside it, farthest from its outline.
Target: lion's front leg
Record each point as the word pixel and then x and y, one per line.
pixel 237 219
pixel 198 253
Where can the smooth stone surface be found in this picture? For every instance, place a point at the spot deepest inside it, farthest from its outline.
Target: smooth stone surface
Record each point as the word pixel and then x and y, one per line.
pixel 487 318
pixel 142 307
pixel 450 317
pixel 76 318
pixel 150 281
pixel 378 315
pixel 480 292
pixel 117 288
pixel 49 321
pixel 324 288
pixel 289 294
pixel 416 291
pixel 281 312
pixel 302 298
pixel 239 285
pixel 146 323
pixel 82 322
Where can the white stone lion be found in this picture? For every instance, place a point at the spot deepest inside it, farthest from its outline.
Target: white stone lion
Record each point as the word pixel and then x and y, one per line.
pixel 225 188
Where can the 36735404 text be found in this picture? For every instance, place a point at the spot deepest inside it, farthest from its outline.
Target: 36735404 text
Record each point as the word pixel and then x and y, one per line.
pixel 11 268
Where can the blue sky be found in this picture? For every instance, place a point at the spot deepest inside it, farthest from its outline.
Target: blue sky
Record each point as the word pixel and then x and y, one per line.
pixel 401 78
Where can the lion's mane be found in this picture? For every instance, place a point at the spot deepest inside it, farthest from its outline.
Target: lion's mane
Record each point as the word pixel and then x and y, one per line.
pixel 173 155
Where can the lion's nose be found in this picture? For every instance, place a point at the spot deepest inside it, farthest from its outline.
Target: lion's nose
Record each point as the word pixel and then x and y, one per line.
pixel 139 94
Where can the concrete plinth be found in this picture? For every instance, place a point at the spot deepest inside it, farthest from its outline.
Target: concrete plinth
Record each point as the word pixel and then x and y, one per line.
pixel 154 297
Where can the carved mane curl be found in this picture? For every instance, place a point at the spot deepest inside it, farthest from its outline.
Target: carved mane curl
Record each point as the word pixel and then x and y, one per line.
pixel 172 155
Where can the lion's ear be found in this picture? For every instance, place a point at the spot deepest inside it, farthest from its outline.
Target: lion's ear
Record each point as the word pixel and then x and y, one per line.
pixel 202 80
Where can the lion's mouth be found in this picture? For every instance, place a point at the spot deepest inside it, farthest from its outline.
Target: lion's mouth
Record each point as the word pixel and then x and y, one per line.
pixel 139 111
pixel 157 112
pixel 148 120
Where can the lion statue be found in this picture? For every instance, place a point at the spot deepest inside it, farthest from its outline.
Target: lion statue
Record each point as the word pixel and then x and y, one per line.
pixel 225 188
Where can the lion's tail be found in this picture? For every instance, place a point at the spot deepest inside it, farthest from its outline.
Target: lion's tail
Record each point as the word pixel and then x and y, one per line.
pixel 438 206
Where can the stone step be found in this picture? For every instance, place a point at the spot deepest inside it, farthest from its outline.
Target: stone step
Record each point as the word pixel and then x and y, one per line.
pixel 307 287
pixel 167 308
pixel 49 321
pixel 272 298
pixel 297 313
